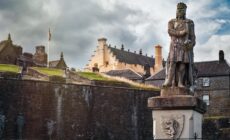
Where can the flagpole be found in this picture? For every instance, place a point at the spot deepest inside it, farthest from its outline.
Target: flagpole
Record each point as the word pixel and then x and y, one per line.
pixel 48 53
pixel 48 49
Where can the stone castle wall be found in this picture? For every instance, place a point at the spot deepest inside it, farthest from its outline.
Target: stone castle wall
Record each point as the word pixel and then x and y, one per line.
pixel 219 95
pixel 67 111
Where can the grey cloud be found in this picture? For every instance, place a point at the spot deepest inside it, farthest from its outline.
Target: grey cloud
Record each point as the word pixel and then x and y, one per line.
pixel 76 26
pixel 74 31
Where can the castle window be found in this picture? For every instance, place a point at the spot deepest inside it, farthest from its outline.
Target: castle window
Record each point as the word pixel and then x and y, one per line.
pixel 206 99
pixel 206 82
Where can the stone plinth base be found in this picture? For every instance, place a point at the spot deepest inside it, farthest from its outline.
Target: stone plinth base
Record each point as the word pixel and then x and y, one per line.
pixel 177 102
pixel 171 91
pixel 172 124
pixel 176 115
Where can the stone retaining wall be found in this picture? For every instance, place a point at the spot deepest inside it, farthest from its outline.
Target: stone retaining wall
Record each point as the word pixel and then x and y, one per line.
pixel 67 111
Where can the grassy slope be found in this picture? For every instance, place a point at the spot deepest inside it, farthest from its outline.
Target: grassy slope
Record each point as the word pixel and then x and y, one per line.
pixel 9 68
pixel 58 72
pixel 49 71
pixel 92 76
pixel 102 77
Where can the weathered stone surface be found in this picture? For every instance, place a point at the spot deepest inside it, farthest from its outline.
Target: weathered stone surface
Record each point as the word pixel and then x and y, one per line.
pixel 75 112
pixel 216 83
pixel 180 124
pixel 216 128
pixel 171 91
pixel 177 102
pixel 169 109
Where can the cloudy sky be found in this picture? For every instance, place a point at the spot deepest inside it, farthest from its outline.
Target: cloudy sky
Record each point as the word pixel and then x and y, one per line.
pixel 138 24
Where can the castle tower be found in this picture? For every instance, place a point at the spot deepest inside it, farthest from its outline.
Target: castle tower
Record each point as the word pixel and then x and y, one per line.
pixel 40 56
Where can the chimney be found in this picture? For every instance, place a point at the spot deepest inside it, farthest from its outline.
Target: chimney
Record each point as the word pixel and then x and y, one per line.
pixel 101 51
pixel 221 56
pixel 140 52
pixel 163 63
pixel 158 58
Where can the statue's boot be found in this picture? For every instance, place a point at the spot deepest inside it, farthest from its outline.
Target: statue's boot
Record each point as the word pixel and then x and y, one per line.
pixel 171 74
pixel 180 80
pixel 180 85
pixel 168 81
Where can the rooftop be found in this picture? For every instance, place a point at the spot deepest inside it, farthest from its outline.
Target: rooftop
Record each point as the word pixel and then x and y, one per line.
pixel 205 69
pixel 132 58
pixel 127 73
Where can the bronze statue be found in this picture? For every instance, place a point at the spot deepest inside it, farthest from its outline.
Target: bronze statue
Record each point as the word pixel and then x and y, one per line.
pixel 179 71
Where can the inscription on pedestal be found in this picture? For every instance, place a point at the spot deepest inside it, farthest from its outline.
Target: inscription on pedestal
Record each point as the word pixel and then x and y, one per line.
pixel 172 126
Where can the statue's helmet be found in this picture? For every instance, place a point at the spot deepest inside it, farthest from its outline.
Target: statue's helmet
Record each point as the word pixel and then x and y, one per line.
pixel 181 5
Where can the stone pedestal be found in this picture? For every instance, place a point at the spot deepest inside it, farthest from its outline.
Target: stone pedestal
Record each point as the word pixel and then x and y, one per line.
pixel 176 114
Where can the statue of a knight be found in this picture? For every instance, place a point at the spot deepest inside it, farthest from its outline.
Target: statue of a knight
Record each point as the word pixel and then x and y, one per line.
pixel 179 71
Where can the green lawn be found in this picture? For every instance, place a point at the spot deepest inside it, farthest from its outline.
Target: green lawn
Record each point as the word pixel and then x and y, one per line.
pixel 9 68
pixel 92 76
pixel 98 77
pixel 49 71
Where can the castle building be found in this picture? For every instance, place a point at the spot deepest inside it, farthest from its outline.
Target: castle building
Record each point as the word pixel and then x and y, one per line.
pixel 59 64
pixel 40 56
pixel 12 54
pixel 9 52
pixel 107 58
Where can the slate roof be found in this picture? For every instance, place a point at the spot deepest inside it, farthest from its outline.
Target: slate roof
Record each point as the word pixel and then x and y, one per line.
pixel 126 73
pixel 53 63
pixel 212 68
pixel 132 58
pixel 158 76
pixel 205 69
pixel 24 58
